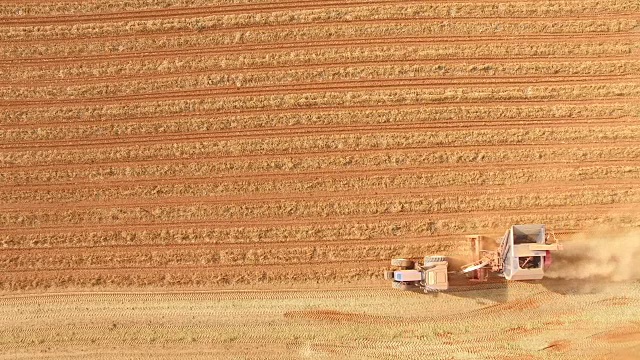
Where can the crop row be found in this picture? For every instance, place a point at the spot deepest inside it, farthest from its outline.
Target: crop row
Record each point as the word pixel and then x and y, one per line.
pixel 490 72
pixel 168 257
pixel 447 117
pixel 474 54
pixel 319 100
pixel 200 123
pixel 291 165
pixel 243 77
pixel 317 209
pixel 108 6
pixel 319 144
pixel 323 33
pixel 206 279
pixel 415 12
pixel 424 181
pixel 324 12
pixel 326 233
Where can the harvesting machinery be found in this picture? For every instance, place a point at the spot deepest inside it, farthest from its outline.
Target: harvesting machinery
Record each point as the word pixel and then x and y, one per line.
pixel 523 253
pixel 430 276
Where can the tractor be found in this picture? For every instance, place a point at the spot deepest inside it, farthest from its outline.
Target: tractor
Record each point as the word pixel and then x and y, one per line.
pixel 430 276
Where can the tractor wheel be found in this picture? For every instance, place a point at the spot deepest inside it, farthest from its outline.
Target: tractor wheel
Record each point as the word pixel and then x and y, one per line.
pixel 402 263
pixel 401 286
pixel 388 275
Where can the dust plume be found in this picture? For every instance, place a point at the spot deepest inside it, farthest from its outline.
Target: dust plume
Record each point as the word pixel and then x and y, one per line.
pixel 599 254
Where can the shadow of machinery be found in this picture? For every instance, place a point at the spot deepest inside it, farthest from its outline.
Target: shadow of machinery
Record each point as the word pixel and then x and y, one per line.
pixel 484 293
pixel 493 290
pixel 496 289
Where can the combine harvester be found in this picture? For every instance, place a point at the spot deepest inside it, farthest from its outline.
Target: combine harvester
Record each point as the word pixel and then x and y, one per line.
pixel 523 253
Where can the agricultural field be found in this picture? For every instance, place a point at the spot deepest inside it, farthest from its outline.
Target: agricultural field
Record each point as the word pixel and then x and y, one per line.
pixel 229 178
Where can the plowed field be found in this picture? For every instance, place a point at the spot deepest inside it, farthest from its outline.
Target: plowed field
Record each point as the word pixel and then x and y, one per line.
pixel 228 178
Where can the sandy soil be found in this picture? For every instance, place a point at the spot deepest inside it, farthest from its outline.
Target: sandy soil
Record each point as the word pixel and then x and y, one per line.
pixel 548 320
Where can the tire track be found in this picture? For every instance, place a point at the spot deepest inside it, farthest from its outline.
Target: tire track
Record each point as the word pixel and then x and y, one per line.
pixel 181 295
pixel 328 86
pixel 300 45
pixel 286 132
pixel 611 209
pixel 302 292
pixel 324 195
pixel 153 296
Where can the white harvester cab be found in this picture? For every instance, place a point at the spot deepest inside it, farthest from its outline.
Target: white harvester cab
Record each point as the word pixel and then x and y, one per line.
pixel 435 272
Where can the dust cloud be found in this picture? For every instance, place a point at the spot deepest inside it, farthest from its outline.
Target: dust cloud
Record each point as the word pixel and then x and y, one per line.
pixel 599 254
